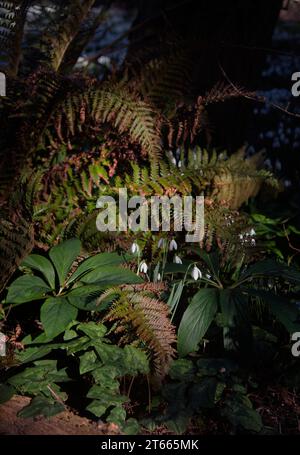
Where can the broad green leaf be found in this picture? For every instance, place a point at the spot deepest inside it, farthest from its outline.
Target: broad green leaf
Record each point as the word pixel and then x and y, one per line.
pixel 270 267
pixel 182 370
pixel 99 260
pixel 41 406
pixel 25 289
pixel 117 415
pixel 196 320
pixel 96 408
pixel 130 427
pixel 135 361
pixel 93 330
pixel 106 376
pixel 238 410
pixel 236 329
pixel 284 310
pixel 56 314
pixel 88 362
pixel 85 297
pixel 63 256
pixel 6 393
pixel 43 265
pixel 111 276
pixel 33 353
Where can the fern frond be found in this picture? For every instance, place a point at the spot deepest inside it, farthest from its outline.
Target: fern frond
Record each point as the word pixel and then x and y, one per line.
pixel 149 321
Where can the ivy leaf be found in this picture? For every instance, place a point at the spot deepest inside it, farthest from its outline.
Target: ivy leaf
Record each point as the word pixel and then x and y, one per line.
pixel 196 320
pixel 26 289
pixel 43 265
pixel 240 413
pixel 41 406
pixel 63 256
pixel 56 314
pixel 6 393
pixel 88 362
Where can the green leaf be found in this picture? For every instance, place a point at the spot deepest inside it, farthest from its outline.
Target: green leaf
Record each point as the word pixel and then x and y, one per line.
pixel 43 265
pixel 111 276
pixel 99 260
pixel 63 256
pixel 236 330
pixel 96 408
pixel 284 310
pixel 93 330
pixel 196 320
pixel 88 362
pixel 117 415
pixel 270 267
pixel 182 370
pixel 41 406
pixel 25 289
pixel 6 393
pixel 32 354
pixel 130 427
pixel 56 314
pixel 238 410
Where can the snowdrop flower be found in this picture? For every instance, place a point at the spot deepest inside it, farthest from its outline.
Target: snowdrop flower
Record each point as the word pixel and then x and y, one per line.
pixel 208 276
pixel 143 267
pixel 179 164
pixel 196 273
pixel 173 245
pixel 159 277
pixel 177 260
pixel 161 243
pixel 241 236
pixel 252 232
pixel 135 249
pixel 253 243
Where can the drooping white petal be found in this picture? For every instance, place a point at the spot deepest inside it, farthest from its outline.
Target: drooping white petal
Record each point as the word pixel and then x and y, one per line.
pixel 196 273
pixel 143 267
pixel 177 260
pixel 134 248
pixel 173 245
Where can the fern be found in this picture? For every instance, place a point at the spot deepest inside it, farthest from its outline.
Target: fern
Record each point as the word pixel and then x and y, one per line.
pixel 148 319
pixel 12 20
pixel 17 228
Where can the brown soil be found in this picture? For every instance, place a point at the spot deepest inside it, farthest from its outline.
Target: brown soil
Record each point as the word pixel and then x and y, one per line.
pixel 66 423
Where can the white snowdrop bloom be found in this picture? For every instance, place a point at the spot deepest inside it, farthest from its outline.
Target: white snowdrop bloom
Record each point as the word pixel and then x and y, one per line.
pixel 143 267
pixel 135 248
pixel 173 245
pixel 173 161
pixel 161 243
pixel 208 276
pixel 253 243
pixel 179 164
pixel 196 273
pixel 177 260
pixel 241 236
pixel 278 165
pixel 287 183
pixel 82 62
pixel 252 232
pixel 159 277
pixel 104 60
